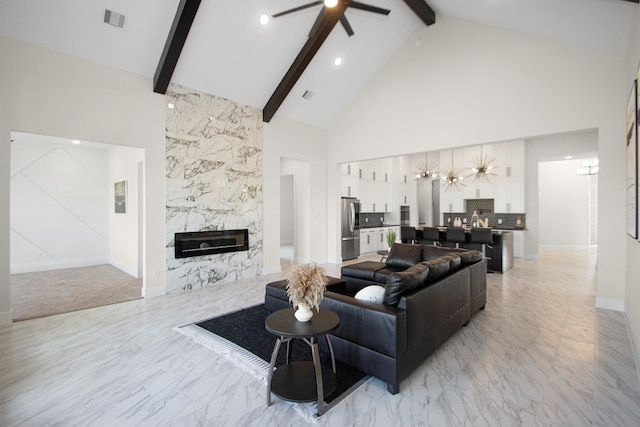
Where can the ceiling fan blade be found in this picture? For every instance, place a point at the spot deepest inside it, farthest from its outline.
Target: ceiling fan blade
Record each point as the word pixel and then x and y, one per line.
pixel 295 9
pixel 347 27
pixel 369 8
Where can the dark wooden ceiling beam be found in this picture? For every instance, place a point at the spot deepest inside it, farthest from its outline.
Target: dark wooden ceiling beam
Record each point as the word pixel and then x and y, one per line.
pixel 633 1
pixel 176 39
pixel 328 20
pixel 423 10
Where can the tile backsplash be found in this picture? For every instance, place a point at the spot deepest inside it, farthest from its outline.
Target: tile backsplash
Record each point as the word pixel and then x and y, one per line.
pixel 370 219
pixel 507 221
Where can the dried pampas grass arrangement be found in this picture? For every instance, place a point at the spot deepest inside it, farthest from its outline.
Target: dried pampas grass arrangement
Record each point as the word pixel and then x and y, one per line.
pixel 306 284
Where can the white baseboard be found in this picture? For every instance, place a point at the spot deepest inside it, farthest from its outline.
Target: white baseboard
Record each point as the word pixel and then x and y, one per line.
pixel 271 269
pixel 610 303
pixel 58 265
pixel 634 346
pixel 156 291
pixel 563 247
pixel 127 269
pixel 6 318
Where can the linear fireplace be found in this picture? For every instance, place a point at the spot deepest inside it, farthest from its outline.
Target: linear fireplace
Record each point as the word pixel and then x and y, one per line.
pixel 210 242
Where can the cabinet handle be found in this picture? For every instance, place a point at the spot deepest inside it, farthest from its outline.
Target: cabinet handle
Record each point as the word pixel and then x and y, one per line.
pixel 405 199
pixel 360 173
pixel 348 169
pixel 385 208
pixel 381 238
pixel 368 239
pixel 386 178
pixel 374 207
pixel 349 191
pixel 405 179
pixel 374 175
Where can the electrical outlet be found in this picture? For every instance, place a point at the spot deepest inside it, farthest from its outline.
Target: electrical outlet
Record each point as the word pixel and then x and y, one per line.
pixel 366 220
pixel 155 274
pixel 38 255
pixel 499 220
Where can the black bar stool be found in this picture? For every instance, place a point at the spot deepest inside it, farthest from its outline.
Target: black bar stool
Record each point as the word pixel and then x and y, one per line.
pixel 431 234
pixel 407 234
pixel 456 235
pixel 484 237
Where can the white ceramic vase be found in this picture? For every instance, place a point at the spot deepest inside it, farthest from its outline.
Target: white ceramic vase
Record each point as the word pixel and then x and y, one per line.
pixel 303 313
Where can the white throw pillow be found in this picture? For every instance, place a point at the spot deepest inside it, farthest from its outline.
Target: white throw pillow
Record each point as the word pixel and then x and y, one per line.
pixel 373 293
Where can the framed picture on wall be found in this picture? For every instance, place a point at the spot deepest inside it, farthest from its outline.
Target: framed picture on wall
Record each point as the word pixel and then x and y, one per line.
pixel 120 196
pixel 631 117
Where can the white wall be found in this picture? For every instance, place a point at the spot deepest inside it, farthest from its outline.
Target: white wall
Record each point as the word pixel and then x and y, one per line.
pixel 286 209
pixel 289 139
pixel 58 204
pixel 467 84
pixel 123 228
pixel 632 294
pixel 563 204
pixel 50 93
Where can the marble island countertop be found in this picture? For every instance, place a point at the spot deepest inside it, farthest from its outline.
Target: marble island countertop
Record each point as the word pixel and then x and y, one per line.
pixel 363 226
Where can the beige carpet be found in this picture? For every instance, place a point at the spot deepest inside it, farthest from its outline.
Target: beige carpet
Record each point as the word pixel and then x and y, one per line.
pixel 61 291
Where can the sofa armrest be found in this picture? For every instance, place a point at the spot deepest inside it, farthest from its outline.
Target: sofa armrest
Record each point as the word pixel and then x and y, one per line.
pixel 374 326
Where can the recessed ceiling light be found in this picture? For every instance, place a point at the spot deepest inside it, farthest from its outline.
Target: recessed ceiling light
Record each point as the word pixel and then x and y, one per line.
pixel 264 19
pixel 568 157
pixel 170 105
pixel 75 141
pixel 330 3
pixel 337 61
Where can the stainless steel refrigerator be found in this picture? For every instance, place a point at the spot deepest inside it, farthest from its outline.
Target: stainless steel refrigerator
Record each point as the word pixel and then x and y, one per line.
pixel 350 228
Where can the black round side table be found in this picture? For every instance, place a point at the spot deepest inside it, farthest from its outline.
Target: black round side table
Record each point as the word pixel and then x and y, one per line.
pixel 301 381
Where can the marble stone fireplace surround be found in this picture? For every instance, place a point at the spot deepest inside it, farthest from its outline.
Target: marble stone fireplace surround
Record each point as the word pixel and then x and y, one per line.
pixel 214 166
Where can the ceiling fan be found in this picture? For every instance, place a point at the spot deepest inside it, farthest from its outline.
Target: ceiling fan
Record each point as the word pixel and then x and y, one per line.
pixel 343 19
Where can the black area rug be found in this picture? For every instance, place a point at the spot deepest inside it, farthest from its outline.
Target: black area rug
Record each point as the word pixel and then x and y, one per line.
pixel 245 328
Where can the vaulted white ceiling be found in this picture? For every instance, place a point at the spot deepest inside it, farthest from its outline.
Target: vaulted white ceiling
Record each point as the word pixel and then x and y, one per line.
pixel 230 55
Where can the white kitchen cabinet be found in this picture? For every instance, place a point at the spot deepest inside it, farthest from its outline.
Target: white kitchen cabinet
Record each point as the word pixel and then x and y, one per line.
pixel 451 201
pixel 518 243
pixel 350 169
pixel 508 195
pixel 349 186
pixel 384 170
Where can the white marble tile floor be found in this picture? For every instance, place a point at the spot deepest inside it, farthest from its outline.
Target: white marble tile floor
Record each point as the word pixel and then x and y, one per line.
pixel 539 355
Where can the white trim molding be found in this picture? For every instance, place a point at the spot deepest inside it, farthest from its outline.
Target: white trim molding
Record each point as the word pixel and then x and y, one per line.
pixel 610 303
pixel 6 318
pixel 156 291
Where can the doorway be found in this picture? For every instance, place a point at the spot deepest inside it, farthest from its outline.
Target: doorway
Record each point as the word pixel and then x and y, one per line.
pixel 295 201
pixel 70 247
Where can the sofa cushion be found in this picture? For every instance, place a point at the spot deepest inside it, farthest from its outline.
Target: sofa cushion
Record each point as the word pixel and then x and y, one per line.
pixel 454 261
pixel 373 294
pixel 382 276
pixel 404 282
pixel 404 255
pixel 430 252
pixel 362 270
pixel 467 256
pixel 437 268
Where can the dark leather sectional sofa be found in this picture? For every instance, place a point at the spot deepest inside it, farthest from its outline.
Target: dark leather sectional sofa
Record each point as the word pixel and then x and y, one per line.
pixel 430 293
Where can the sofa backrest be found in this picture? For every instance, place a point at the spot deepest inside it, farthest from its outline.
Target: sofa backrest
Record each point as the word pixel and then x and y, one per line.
pixel 404 255
pixel 404 282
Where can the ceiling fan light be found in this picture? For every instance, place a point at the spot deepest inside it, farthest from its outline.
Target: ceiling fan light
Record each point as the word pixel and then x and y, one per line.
pixel 330 3
pixel 264 19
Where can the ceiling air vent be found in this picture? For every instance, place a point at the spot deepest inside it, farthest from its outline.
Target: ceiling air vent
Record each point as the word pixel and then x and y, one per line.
pixel 113 18
pixel 307 94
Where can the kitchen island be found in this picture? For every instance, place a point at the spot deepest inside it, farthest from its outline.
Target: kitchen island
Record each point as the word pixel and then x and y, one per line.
pixel 500 252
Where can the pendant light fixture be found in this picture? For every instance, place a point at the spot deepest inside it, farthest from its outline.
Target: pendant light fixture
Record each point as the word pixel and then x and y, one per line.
pixel 426 171
pixel 482 167
pixel 451 177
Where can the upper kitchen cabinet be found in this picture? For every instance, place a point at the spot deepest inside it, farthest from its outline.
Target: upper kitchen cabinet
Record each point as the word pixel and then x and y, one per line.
pixel 384 171
pixel 509 159
pixel 350 169
pixel 349 186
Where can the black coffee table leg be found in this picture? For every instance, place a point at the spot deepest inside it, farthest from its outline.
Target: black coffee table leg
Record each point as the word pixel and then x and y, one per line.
pixel 319 382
